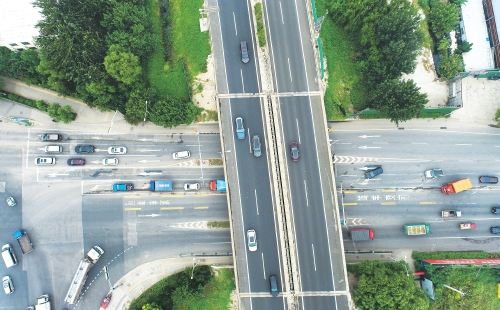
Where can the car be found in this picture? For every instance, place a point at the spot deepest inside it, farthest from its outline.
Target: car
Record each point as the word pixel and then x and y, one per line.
pixel 76 162
pixel 192 186
pixel 256 146
pixel 181 155
pixel 495 229
pixel 105 301
pixel 433 173
pixel 8 287
pixel 110 161
pixel 273 281
pixel 494 77
pixel 294 151
pixel 373 173
pixel 252 240
pixel 244 52
pixel 84 149
pixel 495 210
pixel 10 201
pixel 487 179
pixel 45 161
pixel 240 128
pixel 115 150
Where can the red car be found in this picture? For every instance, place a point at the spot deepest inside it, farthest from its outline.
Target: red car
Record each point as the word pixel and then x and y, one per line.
pixel 76 162
pixel 105 302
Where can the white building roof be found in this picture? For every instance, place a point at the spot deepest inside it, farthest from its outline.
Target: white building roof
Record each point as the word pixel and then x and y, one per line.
pixel 17 21
pixel 474 31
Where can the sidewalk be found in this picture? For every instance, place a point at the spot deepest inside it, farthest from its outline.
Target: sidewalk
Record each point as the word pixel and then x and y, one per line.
pixel 88 119
pixel 134 283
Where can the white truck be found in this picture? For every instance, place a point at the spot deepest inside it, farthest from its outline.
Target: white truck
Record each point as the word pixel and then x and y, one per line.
pixel 43 302
pixel 81 274
pixel 451 213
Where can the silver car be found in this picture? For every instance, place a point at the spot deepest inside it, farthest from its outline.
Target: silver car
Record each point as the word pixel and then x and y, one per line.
pixel 256 146
pixel 252 240
pixel 110 161
pixel 8 287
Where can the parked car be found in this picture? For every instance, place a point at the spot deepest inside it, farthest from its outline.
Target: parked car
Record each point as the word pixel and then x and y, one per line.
pixel 495 210
pixel 117 150
pixel 294 151
pixel 8 286
pixel 256 146
pixel 76 162
pixel 273 281
pixel 495 230
pixel 244 52
pixel 45 161
pixel 252 240
pixel 240 128
pixel 192 186
pixel 373 173
pixel 10 201
pixel 494 77
pixel 84 149
pixel 110 161
pixel 433 173
pixel 487 179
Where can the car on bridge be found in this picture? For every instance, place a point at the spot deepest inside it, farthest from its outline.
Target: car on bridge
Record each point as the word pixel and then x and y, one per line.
pixel 256 146
pixel 252 240
pixel 294 151
pixel 240 128
pixel 244 52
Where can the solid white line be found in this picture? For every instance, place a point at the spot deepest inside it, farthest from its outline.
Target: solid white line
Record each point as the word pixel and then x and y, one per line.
pixel 418 143
pixel 298 129
pixel 242 81
pixel 235 26
pixel 305 189
pixel 463 144
pixel 314 256
pixel 263 266
pixel 281 12
pixel 256 202
pixel 289 69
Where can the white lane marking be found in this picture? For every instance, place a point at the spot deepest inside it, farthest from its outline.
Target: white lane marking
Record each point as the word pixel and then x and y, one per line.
pixel 249 142
pixel 235 26
pixel 305 189
pixel 263 266
pixel 256 202
pixel 242 81
pixel 314 257
pixel 466 144
pixel 281 12
pixel 419 143
pixel 298 129
pixel 289 69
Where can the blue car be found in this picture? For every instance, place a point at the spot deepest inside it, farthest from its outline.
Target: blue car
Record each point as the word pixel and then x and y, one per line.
pixel 373 173
pixel 240 128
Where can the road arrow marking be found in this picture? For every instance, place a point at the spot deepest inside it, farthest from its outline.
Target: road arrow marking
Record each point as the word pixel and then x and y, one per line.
pixel 53 175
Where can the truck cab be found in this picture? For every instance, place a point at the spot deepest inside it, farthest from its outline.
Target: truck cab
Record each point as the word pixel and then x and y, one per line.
pixel 121 187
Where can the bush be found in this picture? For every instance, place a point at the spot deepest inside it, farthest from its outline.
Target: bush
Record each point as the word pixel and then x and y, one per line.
pixel 261 33
pixel 42 105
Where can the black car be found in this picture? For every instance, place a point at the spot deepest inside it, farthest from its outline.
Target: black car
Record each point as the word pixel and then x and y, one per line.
pixel 76 162
pixel 84 149
pixel 487 179
pixel 494 210
pixel 495 230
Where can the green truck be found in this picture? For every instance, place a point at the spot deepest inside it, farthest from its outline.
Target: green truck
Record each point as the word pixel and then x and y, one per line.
pixel 417 229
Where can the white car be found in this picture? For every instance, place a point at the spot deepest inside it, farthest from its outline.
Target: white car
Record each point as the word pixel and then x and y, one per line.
pixel 110 161
pixel 252 240
pixel 45 161
pixel 117 150
pixel 8 287
pixel 192 186
pixel 10 201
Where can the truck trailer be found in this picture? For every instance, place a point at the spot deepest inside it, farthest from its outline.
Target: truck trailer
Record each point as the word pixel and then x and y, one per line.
pixel 24 241
pixel 451 213
pixel 360 234
pixel 160 186
pixel 456 186
pixel 81 274
pixel 417 229
pixel 218 185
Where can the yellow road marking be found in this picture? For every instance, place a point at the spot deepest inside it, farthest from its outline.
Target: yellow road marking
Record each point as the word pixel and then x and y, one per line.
pixel 350 203
pixel 388 190
pixel 201 207
pixel 389 203
pixel 133 209
pixel 350 192
pixel 427 202
pixel 172 208
pixel 172 195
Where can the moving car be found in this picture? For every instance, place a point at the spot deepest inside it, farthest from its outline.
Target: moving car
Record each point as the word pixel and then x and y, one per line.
pixel 240 128
pixel 244 52
pixel 76 162
pixel 114 150
pixel 495 210
pixel 181 155
pixel 273 281
pixel 10 201
pixel 495 230
pixel 192 186
pixel 110 161
pixel 487 179
pixel 467 226
pixel 256 146
pixel 84 149
pixel 252 240
pixel 433 173
pixel 8 287
pixel 45 161
pixel 294 151
pixel 373 173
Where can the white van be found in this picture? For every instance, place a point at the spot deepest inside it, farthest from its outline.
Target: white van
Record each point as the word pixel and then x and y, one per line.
pixel 181 155
pixel 53 149
pixel 8 256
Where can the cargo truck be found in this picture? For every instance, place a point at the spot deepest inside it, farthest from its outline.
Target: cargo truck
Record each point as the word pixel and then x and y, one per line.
pixel 451 213
pixel 48 137
pixel 218 185
pixel 360 234
pixel 417 229
pixel 24 241
pixel 123 187
pixel 160 186
pixel 43 303
pixel 81 274
pixel 456 187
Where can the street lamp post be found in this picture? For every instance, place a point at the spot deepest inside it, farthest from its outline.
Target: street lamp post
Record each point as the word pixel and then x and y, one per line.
pixel 194 266
pixel 145 112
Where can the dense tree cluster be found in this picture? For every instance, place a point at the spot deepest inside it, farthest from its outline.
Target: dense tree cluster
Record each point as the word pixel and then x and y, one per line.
pixel 390 39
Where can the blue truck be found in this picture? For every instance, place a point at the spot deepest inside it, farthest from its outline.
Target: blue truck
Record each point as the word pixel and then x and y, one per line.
pixel 160 186
pixel 121 187
pixel 24 241
pixel 218 185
